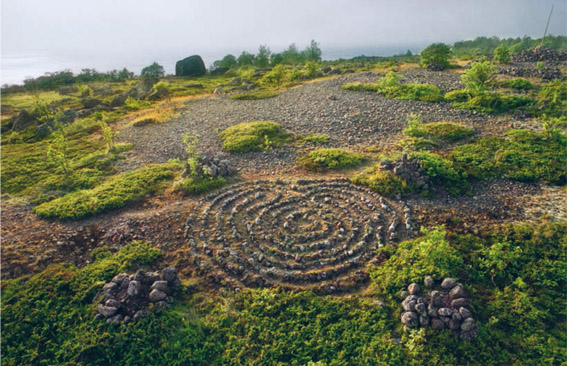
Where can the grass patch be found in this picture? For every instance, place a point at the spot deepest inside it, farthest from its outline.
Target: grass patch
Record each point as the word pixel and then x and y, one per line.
pixel 443 172
pixel 160 113
pixel 114 193
pixel 391 88
pixel 322 159
pixel 253 136
pixel 255 95
pixel 383 182
pixel 552 99
pixel 318 138
pixel 489 102
pixel 194 185
pixel 445 131
pixel 523 155
pixel 417 144
pixel 519 84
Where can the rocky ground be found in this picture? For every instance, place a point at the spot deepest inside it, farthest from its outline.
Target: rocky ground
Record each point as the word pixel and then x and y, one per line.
pixel 353 120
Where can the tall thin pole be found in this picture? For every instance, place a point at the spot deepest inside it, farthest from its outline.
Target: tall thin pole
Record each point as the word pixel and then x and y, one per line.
pixel 547 26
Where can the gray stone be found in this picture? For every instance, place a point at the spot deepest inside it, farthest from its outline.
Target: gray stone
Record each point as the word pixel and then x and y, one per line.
pixel 413 289
pixel 437 323
pixel 140 314
pixel 468 324
pixel 160 285
pixel 421 309
pixel 423 321
pixel 134 288
pixel 403 294
pixel 91 103
pixel 459 303
pixel 119 278
pixel 445 319
pixel 436 298
pixel 432 310
pixel 454 324
pixel 111 286
pixel 445 312
pixel 457 292
pixel 115 319
pixel 112 303
pixel 448 283
pixel 99 317
pixel 408 304
pixel 161 305
pixel 465 313
pixel 157 295
pixel 409 319
pixel 190 66
pixel 106 310
pixel 118 101
pixel 429 282
pixel 140 276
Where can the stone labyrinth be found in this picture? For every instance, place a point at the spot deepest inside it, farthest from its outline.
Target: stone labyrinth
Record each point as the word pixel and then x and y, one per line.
pixel 317 234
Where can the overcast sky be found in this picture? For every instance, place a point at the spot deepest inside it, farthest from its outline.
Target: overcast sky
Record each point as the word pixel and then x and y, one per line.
pixel 115 29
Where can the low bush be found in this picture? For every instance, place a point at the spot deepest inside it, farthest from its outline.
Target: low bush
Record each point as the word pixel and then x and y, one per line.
pixel 391 88
pixel 383 182
pixel 318 138
pixel 197 185
pixel 114 193
pixel 460 95
pixel 443 172
pixel 446 131
pixel 552 99
pixel 255 95
pixel 417 144
pixel 524 155
pixel 494 103
pixel 253 136
pixel 520 84
pixel 322 159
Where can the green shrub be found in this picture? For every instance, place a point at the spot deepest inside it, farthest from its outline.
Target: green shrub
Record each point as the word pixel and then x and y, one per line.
pixel 476 78
pixel 458 95
pixel 383 182
pixel 390 87
pixel 275 77
pixel 552 98
pixel 502 54
pixel 255 95
pixel 417 144
pixel 329 159
pixel 114 193
pixel 446 131
pixel 494 103
pixel 318 138
pixel 517 84
pixel 523 155
pixel 443 172
pixel 132 104
pixel 253 136
pixel 197 185
pixel 429 255
pixel 436 54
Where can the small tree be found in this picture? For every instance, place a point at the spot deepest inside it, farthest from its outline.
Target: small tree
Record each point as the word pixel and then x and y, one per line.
pixel 312 52
pixel 227 61
pixel 477 76
pixel 108 135
pixel 190 142
pixel 58 149
pixel 502 54
pixel 262 59
pixel 436 54
pixel 277 75
pixel 151 74
pixel 245 58
pixel 311 69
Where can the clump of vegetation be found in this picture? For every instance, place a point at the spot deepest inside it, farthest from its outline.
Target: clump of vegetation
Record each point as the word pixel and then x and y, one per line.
pixel 391 87
pixel 519 84
pixel 524 155
pixel 114 193
pixel 443 172
pixel 196 185
pixel 477 77
pixel 437 54
pixel 502 54
pixel 151 74
pixel 132 104
pixel 445 131
pixel 417 144
pixel 383 182
pixel 322 159
pixel 256 95
pixel 108 135
pixel 552 98
pixel 317 138
pixel 253 136
pixel 494 103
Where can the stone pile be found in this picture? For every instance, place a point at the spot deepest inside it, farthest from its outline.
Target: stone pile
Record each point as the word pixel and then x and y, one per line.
pixel 540 53
pixel 545 73
pixel 442 308
pixel 409 170
pixel 211 166
pixel 317 234
pixel 130 297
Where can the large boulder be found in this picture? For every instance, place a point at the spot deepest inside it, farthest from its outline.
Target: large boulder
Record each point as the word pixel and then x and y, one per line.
pixel 190 66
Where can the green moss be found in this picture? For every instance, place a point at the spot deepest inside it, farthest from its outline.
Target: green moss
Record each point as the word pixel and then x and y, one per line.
pixel 417 144
pixel 446 131
pixel 443 172
pixel 322 159
pixel 552 99
pixel 384 182
pixel 255 95
pixel 318 138
pixel 494 103
pixel 114 193
pixel 194 185
pixel 253 136
pixel 517 84
pixel 421 92
pixel 523 155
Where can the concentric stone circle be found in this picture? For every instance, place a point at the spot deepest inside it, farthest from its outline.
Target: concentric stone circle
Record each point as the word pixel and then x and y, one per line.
pixel 317 234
